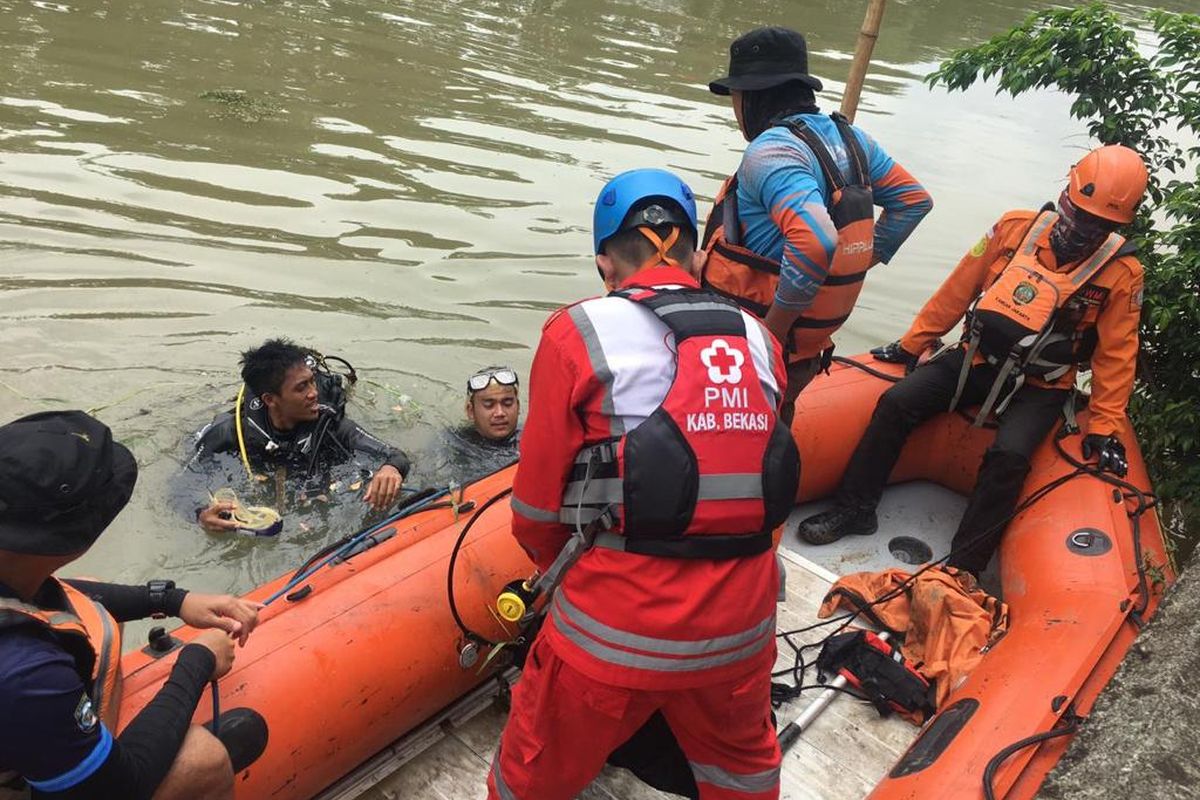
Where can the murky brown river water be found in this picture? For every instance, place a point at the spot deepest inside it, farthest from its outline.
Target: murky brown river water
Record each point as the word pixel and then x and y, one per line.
pixel 406 184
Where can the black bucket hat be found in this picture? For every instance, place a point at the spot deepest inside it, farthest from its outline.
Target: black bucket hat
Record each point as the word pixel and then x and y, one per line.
pixel 764 58
pixel 62 481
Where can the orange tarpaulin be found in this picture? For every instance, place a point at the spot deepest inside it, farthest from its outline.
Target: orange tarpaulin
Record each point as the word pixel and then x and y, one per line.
pixel 944 620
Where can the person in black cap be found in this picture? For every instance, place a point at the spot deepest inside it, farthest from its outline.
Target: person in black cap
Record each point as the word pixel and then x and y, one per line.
pixel 793 231
pixel 62 481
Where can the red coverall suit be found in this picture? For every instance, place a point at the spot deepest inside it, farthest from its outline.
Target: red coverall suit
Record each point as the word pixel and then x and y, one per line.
pixel 631 634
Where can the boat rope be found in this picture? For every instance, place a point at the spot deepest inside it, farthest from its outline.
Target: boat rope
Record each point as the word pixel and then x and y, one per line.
pixel 470 634
pixel 1144 500
pixel 883 376
pixel 1066 725
pixel 781 693
pixel 216 700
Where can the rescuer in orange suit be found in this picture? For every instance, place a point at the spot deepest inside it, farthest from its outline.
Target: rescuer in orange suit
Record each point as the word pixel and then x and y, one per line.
pixel 653 470
pixel 1044 292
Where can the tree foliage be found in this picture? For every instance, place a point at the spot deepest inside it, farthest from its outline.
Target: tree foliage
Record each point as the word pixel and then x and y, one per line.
pixel 1150 103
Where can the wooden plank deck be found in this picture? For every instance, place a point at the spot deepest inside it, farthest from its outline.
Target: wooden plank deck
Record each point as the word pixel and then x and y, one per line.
pixel 845 752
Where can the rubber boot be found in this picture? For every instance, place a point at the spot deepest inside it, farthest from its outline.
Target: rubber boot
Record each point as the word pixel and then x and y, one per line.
pixel 829 526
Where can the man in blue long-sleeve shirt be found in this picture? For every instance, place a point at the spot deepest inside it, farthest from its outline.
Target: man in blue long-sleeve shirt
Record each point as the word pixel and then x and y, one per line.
pixel 778 240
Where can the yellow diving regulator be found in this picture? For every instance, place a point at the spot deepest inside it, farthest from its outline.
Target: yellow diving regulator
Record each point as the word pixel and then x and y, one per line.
pixel 515 602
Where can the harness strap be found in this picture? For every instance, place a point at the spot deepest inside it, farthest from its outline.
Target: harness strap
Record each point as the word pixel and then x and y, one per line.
pixel 712 547
pixel 662 246
pixel 579 543
pixel 692 312
pixel 1070 423
pixel 858 159
pixel 972 346
pixel 1010 364
pixel 1003 404
pixel 731 220
pixel 837 181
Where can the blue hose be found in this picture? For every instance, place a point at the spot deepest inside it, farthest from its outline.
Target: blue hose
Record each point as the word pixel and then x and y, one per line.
pixel 352 543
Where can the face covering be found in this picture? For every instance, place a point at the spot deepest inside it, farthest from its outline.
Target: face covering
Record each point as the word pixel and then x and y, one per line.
pixel 1077 233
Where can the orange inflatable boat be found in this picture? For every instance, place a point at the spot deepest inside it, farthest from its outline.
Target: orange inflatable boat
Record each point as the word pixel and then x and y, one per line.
pixel 364 651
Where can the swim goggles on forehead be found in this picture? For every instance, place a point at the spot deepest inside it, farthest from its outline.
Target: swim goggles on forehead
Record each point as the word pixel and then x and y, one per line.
pixel 501 375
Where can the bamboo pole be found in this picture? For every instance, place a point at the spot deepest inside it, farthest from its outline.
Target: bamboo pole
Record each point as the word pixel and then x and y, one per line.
pixel 862 57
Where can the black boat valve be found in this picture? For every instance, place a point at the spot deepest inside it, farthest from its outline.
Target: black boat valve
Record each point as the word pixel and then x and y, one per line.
pixel 159 642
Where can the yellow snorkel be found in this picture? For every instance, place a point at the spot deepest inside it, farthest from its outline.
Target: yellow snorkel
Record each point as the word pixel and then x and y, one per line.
pixel 237 423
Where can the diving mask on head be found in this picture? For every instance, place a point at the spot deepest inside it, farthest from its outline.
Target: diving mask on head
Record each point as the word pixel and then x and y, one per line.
pixel 505 376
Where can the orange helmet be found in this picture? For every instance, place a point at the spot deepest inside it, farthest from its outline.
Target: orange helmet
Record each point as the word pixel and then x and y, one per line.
pixel 1109 182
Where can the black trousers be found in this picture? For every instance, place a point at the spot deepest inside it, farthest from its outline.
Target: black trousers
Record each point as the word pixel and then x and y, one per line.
pixel 1023 426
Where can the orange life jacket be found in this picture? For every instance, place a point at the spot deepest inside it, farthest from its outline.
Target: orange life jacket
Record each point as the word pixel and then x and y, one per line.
pixel 1014 324
pixel 92 637
pixel 750 279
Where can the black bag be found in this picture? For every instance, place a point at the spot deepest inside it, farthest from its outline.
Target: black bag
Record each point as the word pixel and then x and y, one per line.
pixel 879 671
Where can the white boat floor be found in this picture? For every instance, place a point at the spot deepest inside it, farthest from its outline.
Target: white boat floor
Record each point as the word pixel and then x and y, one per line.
pixel 845 752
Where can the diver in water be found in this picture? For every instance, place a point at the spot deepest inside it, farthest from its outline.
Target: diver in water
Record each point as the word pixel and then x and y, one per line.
pixel 293 416
pixel 494 407
pixel 487 441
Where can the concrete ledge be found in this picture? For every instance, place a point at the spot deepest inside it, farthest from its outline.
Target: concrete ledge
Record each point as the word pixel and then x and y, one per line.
pixel 1142 739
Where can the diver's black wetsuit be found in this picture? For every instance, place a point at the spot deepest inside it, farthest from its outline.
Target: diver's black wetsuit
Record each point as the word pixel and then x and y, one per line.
pixel 329 439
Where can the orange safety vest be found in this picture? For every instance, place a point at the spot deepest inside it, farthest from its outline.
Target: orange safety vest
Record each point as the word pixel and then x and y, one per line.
pixel 1014 324
pixel 92 637
pixel 750 279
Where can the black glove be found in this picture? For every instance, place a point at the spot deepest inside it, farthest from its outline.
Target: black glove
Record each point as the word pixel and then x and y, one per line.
pixel 1109 453
pixel 895 354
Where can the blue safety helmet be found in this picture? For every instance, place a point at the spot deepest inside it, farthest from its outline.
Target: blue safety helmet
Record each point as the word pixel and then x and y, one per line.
pixel 627 201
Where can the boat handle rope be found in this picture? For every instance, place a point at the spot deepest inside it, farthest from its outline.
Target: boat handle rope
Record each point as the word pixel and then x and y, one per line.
pixel 216 700
pixel 1145 500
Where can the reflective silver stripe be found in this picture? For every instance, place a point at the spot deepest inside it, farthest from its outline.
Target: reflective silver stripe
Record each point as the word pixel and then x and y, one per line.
pixel 624 658
pixel 698 647
pixel 13 604
pixel 604 374
pixel 501 787
pixel 734 486
pixel 18 613
pixel 104 652
pixel 676 308
pixel 574 515
pixel 756 782
pixel 1043 221
pixel 600 491
pixel 1098 259
pixel 532 512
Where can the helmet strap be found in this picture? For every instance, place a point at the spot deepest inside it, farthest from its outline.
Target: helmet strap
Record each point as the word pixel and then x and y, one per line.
pixel 662 246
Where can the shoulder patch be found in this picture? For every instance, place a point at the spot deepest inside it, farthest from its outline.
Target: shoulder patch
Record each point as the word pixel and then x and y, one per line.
pixel 85 714
pixel 981 246
pixel 1136 296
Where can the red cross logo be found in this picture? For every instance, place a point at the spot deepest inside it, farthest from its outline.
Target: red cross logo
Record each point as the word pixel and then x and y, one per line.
pixel 723 362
